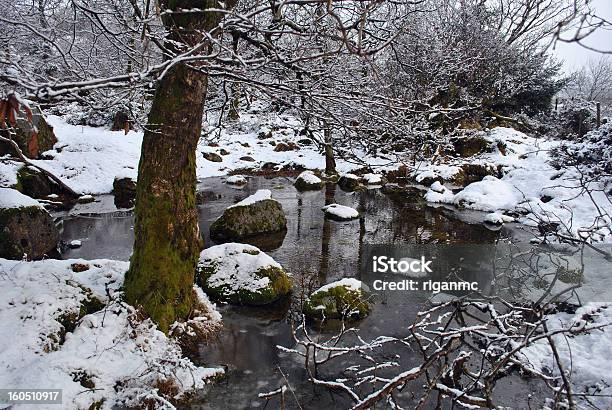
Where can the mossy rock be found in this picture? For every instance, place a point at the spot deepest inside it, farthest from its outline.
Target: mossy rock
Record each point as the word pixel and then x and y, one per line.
pixel 348 182
pixel 27 230
pixel 470 145
pixel 470 173
pixel 308 181
pixel 243 221
pixel 212 157
pixel 337 301
pixel 241 274
pixel 33 183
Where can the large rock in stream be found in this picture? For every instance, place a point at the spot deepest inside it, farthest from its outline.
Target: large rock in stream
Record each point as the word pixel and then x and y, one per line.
pixel 25 227
pixel 241 274
pixel 254 215
pixel 343 299
pixel 308 181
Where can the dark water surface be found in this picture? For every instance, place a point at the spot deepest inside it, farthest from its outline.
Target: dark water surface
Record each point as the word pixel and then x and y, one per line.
pixel 316 251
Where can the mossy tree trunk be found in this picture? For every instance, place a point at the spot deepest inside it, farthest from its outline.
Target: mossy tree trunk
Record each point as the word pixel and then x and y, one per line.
pixel 167 238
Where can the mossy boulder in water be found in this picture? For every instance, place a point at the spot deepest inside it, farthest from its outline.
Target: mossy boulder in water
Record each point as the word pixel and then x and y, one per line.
pixel 348 182
pixel 257 214
pixel 341 299
pixel 308 181
pixel 25 227
pixel 241 274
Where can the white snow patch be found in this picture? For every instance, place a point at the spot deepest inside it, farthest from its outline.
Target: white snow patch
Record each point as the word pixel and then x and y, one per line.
pixel 260 195
pixel 236 180
pixel 348 283
pixel 490 194
pixel 11 198
pixel 341 211
pixel 497 218
pixel 8 172
pixel 123 356
pixel 586 356
pixel 309 177
pixel 439 193
pixel 372 179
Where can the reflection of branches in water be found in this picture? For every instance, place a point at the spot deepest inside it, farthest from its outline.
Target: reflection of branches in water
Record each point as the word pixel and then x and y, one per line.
pixel 464 348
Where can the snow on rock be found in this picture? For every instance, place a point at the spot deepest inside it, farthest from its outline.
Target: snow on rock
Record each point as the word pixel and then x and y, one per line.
pixel 348 283
pixel 340 212
pixel 75 244
pixel 585 355
pixel 372 179
pixel 260 195
pixel 340 299
pixel 309 177
pixel 104 343
pixel 241 274
pixel 11 198
pixel 8 172
pixel 497 218
pixel 490 194
pixel 439 193
pixel 236 180
pixel 308 181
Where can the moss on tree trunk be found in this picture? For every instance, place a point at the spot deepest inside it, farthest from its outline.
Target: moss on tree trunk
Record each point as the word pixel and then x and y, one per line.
pixel 167 238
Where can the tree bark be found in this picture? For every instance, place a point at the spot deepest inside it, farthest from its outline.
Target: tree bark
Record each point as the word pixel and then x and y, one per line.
pixel 167 238
pixel 330 162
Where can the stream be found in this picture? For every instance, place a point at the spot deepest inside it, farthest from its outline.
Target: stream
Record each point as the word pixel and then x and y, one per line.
pixel 315 251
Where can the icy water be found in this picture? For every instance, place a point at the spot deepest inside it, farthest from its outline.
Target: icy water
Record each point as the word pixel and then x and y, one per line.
pixel 316 251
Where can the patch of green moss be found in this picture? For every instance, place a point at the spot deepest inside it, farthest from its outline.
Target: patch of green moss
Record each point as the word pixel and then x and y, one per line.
pixel 337 303
pixel 302 185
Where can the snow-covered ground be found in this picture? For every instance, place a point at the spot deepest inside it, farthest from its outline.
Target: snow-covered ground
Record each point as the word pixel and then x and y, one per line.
pixel 530 184
pixel 584 356
pixel 88 159
pixel 56 336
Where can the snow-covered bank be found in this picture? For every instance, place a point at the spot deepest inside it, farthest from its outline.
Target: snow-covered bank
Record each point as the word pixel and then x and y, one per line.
pixel 529 185
pixel 64 327
pixel 584 356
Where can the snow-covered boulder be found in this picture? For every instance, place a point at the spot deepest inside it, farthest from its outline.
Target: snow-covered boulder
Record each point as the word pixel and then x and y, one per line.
pixel 340 212
pixel 124 189
pixel 497 218
pixel 490 194
pixel 308 181
pixel 348 182
pixel 25 227
pixel 241 274
pixel 236 180
pixel 439 193
pixel 373 179
pixel 254 215
pixel 341 299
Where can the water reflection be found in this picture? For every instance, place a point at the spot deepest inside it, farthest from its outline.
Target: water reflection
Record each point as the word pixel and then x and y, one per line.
pixel 316 251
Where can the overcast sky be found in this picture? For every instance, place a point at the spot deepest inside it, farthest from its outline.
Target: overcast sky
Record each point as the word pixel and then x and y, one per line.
pixel 574 55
